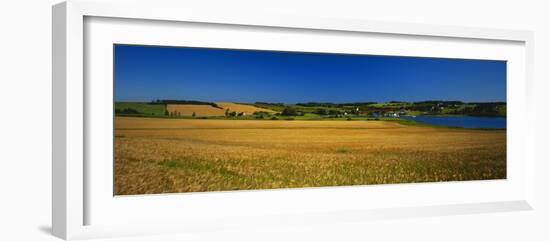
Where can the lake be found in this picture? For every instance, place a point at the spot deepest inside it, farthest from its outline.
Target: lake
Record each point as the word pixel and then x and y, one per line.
pixel 461 121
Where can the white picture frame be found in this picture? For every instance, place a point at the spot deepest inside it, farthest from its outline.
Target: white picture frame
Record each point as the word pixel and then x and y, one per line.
pixel 77 195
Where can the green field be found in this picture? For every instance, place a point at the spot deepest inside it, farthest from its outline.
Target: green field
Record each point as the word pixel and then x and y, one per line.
pixel 143 109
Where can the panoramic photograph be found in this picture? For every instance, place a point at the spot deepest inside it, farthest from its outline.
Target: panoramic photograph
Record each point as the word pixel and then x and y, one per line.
pixel 190 119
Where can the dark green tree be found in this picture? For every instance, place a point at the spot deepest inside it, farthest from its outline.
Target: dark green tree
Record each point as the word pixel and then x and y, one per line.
pixel 321 111
pixel 289 111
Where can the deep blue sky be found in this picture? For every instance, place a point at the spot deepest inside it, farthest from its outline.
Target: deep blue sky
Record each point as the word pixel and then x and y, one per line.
pixel 145 73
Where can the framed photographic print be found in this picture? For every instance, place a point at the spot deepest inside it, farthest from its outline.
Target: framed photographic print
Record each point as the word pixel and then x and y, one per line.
pixel 180 121
pixel 191 119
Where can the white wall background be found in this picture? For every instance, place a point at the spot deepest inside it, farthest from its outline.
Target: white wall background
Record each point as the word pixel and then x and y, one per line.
pixel 25 119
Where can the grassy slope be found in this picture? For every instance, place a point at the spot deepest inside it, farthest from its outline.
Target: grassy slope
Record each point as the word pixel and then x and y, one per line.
pixel 502 110
pixel 145 108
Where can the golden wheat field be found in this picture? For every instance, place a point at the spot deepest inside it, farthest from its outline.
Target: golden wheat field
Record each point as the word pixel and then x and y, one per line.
pixel 248 109
pixel 199 110
pixel 192 155
pixel 208 110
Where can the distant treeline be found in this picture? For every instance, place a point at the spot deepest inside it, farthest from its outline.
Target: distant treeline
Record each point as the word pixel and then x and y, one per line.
pixel 329 104
pixel 184 102
pixel 460 108
pixel 127 111
pixel 323 109
pixel 440 102
pixel 268 103
pixel 452 102
pixel 482 109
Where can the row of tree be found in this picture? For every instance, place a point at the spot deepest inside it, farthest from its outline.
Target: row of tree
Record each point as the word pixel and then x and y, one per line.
pixel 184 102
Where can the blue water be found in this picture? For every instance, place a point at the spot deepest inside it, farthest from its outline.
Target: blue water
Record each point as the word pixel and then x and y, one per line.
pixel 460 121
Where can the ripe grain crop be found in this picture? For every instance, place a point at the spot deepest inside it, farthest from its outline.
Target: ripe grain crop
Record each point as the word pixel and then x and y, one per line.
pixel 191 155
pixel 248 109
pixel 209 111
pixel 199 110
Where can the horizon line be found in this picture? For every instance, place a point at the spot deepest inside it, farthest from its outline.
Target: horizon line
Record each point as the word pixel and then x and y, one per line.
pixel 317 102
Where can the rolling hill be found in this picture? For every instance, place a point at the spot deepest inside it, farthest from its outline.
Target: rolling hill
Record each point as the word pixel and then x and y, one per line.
pixel 208 110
